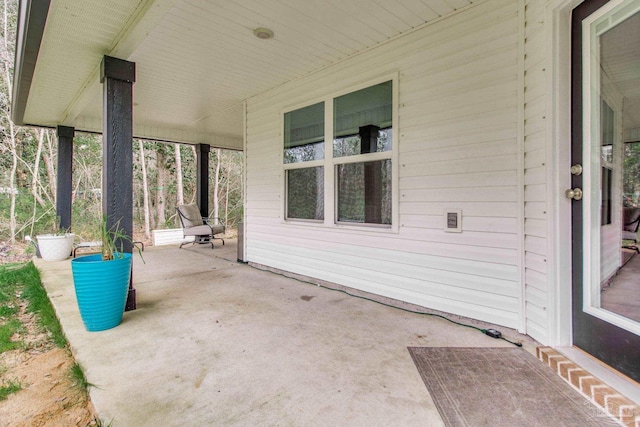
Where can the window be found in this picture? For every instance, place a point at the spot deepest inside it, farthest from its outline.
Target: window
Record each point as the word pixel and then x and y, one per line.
pixel 364 192
pixel 305 193
pixel 304 134
pixel 362 121
pixel 304 144
pixel 359 189
pixel 362 125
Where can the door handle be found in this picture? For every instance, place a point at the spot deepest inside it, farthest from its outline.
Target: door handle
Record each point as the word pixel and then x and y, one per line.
pixel 573 193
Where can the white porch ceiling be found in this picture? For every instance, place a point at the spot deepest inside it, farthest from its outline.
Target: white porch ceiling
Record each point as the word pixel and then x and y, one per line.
pixel 198 60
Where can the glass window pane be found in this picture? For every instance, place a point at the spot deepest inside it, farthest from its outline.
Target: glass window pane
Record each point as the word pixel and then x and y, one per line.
pixel 364 192
pixel 304 134
pixel 351 145
pixel 305 193
pixel 607 128
pixel 362 121
pixel 607 212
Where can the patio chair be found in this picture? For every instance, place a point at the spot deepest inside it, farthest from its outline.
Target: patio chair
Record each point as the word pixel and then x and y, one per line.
pixel 630 222
pixel 193 224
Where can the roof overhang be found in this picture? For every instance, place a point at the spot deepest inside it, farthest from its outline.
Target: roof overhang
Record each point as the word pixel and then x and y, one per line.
pixel 31 21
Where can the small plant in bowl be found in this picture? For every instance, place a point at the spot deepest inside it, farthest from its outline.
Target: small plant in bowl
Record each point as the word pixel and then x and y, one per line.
pixel 112 240
pixel 55 246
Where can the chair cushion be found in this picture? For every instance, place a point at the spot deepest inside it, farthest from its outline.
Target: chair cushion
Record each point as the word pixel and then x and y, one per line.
pixel 198 230
pixel 217 229
pixel 191 215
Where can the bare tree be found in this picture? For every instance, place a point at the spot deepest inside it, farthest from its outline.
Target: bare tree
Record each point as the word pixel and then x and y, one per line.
pixel 6 62
pixel 160 184
pixel 179 184
pixel 48 159
pixel 216 185
pixel 34 180
pixel 226 193
pixel 145 191
pixel 195 190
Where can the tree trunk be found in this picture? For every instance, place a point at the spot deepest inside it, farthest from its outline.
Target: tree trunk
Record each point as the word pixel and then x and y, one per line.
pixel 195 190
pixel 160 199
pixel 51 173
pixel 12 181
pixel 216 186
pixel 12 136
pixel 226 193
pixel 34 181
pixel 145 191
pixel 179 185
pixel 35 176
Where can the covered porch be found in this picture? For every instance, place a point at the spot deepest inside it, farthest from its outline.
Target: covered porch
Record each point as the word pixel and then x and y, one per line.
pixel 217 342
pixel 476 222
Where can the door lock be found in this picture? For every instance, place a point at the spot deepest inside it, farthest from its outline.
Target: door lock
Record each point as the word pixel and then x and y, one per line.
pixel 573 193
pixel 576 169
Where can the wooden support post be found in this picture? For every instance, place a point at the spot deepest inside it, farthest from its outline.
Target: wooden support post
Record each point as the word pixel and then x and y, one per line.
pixel 117 77
pixel 64 180
pixel 202 180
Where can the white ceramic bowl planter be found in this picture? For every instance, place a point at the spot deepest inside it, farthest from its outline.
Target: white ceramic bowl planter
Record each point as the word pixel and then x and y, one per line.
pixel 55 247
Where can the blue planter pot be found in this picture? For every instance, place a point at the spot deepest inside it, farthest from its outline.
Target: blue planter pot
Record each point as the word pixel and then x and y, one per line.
pixel 101 289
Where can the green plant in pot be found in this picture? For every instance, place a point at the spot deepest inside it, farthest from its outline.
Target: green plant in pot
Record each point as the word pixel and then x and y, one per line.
pixel 55 246
pixel 101 281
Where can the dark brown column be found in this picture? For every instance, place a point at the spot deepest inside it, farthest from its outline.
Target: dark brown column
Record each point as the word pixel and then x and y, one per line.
pixel 117 77
pixel 202 180
pixel 64 180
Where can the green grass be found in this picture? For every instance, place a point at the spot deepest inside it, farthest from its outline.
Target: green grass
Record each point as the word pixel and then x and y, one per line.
pixel 9 303
pixel 23 282
pixel 100 423
pixel 78 379
pixel 7 311
pixel 7 330
pixel 9 387
pixel 8 286
pixel 40 304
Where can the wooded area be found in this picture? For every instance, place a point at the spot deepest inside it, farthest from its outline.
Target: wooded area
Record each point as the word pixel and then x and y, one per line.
pixel 164 174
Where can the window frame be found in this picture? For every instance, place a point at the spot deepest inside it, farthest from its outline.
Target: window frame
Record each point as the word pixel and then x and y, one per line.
pixel 330 163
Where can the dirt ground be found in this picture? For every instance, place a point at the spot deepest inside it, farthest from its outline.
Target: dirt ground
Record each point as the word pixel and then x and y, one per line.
pixel 14 252
pixel 48 396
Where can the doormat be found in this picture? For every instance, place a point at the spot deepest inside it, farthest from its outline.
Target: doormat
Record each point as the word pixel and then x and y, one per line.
pixel 501 387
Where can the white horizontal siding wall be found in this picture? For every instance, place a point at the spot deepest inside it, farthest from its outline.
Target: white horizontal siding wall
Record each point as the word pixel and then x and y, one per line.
pixel 457 146
pixel 536 172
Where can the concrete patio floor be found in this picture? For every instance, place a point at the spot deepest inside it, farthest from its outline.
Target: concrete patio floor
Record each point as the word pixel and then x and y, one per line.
pixel 217 342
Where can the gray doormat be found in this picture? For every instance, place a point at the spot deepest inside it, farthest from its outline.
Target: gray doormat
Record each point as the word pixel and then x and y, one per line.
pixel 501 387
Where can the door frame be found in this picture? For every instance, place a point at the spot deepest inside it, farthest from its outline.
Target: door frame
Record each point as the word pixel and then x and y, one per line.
pixel 557 16
pixel 558 138
pixel 604 340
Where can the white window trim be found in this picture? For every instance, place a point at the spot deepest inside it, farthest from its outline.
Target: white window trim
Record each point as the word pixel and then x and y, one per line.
pixel 330 163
